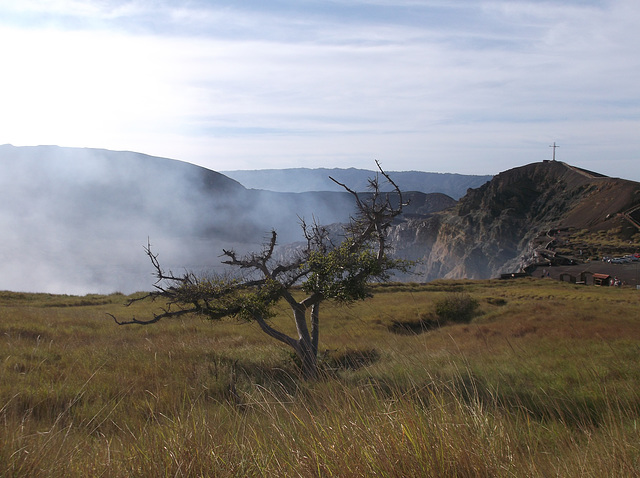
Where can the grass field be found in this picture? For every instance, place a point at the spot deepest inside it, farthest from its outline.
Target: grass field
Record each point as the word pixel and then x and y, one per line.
pixel 543 382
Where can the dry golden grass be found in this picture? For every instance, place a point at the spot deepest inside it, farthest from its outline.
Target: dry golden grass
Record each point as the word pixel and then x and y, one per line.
pixel 543 382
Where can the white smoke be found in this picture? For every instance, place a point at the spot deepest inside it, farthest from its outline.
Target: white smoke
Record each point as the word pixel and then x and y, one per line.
pixel 75 221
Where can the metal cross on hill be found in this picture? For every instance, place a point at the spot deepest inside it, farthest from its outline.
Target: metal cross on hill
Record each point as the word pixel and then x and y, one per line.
pixel 554 146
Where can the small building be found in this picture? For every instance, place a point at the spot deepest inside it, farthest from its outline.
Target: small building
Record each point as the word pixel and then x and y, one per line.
pixel 566 277
pixel 601 279
pixel 585 276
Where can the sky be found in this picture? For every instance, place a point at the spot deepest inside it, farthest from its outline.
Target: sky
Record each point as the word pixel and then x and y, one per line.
pixel 462 86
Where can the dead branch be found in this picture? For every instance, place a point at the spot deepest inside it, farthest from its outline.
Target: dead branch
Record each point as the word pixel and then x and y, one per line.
pixel 156 317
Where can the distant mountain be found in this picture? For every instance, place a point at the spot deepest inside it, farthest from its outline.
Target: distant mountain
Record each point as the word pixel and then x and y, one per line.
pixel 304 179
pixel 75 220
pixel 508 223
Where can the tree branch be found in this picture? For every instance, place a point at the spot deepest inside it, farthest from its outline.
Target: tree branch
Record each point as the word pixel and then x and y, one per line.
pixel 156 318
pixel 276 334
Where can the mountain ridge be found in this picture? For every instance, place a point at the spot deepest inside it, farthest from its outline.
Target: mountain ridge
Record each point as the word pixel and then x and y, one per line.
pixel 318 179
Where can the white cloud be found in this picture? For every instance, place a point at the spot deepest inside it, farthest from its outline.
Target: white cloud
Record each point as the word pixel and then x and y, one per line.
pixel 244 86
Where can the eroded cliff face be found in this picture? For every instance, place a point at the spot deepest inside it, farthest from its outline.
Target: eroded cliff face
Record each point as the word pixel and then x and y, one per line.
pixel 451 246
pixel 496 228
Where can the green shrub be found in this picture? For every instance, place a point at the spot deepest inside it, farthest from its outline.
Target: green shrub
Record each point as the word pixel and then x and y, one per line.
pixel 457 307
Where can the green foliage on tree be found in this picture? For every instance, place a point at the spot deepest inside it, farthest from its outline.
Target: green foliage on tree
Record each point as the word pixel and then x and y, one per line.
pixel 343 273
pixel 326 269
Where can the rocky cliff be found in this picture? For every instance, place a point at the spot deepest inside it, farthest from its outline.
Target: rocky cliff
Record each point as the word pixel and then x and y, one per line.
pixel 500 226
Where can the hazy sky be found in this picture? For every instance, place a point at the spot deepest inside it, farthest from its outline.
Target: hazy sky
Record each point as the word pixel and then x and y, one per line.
pixel 469 86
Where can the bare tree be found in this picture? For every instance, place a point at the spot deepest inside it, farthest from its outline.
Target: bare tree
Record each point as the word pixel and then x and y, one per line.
pixel 326 269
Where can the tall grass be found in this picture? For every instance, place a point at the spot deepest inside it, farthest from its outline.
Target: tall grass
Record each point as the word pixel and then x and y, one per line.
pixel 544 382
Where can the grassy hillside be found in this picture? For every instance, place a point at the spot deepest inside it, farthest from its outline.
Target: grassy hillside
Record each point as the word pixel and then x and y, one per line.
pixel 543 382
